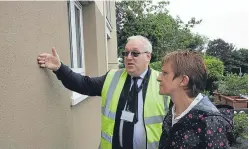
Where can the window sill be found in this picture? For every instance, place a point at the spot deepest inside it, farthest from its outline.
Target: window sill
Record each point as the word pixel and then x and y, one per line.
pixel 77 98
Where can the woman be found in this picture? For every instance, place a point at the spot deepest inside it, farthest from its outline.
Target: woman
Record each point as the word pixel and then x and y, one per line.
pixel 193 122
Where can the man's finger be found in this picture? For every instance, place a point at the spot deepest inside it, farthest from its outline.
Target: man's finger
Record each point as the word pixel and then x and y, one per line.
pixel 43 55
pixel 41 62
pixel 54 51
pixel 41 58
pixel 43 65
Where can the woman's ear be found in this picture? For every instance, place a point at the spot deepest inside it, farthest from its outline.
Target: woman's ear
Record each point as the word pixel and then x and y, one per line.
pixel 185 81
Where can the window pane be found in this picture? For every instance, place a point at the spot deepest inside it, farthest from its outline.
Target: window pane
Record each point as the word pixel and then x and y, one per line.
pixel 108 10
pixel 70 36
pixel 78 37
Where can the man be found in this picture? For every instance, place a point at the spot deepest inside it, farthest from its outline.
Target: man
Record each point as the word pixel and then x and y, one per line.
pixel 193 122
pixel 132 113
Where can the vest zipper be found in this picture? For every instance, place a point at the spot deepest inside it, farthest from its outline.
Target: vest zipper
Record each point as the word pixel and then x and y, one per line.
pixel 145 127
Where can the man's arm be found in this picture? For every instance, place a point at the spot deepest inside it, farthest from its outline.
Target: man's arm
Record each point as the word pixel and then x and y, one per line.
pixel 71 80
pixel 79 83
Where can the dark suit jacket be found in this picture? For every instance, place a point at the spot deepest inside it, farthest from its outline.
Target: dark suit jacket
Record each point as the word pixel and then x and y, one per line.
pixel 92 86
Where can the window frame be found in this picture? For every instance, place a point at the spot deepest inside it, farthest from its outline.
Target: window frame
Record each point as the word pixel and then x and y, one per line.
pixel 76 97
pixel 108 10
pixel 108 19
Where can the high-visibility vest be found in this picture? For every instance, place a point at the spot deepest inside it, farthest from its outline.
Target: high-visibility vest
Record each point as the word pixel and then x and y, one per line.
pixel 155 108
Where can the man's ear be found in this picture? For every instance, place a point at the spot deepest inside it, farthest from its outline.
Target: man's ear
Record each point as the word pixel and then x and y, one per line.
pixel 149 55
pixel 185 81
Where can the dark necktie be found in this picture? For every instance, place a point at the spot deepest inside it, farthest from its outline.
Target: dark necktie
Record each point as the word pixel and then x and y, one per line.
pixel 132 106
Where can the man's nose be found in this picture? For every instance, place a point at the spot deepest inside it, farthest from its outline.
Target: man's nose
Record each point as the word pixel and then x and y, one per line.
pixel 129 55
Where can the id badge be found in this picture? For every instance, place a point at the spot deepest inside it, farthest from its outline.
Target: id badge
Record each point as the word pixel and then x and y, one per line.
pixel 127 116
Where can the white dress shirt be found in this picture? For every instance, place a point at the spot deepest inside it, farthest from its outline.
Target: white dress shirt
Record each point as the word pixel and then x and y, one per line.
pixel 139 136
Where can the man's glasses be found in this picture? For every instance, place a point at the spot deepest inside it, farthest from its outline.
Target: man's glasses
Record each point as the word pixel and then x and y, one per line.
pixel 133 53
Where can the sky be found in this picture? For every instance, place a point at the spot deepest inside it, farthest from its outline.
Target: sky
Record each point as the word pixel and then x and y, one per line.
pixel 225 19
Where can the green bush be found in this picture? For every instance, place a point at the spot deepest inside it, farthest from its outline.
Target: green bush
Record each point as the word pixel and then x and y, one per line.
pixel 215 67
pixel 208 94
pixel 156 66
pixel 233 85
pixel 240 125
pixel 215 70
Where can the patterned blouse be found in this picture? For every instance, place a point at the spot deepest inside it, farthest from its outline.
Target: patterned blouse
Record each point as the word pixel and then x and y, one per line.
pixel 204 126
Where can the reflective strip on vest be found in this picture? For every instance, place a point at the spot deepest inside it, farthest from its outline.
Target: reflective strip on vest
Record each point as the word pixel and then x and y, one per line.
pixel 153 119
pixel 152 145
pixel 106 112
pixel 159 118
pixel 111 90
pixel 106 137
pixel 111 115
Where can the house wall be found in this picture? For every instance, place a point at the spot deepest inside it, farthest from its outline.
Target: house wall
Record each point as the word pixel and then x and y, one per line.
pixel 100 6
pixel 35 108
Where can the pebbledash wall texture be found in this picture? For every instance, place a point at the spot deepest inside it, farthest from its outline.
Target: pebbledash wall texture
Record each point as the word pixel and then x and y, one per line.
pixel 35 108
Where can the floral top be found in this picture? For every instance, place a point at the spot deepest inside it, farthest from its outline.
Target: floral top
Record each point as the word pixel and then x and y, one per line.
pixel 204 126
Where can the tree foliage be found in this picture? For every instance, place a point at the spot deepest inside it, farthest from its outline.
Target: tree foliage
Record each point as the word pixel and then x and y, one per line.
pixel 233 59
pixel 155 23
pixel 215 67
pixel 215 70
pixel 239 61
pixel 222 50
pixel 156 66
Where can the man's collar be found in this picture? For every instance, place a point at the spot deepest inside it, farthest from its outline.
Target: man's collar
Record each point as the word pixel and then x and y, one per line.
pixel 143 74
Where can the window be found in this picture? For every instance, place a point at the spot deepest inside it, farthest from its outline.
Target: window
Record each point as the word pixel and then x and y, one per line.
pixel 108 10
pixel 108 18
pixel 76 34
pixel 76 44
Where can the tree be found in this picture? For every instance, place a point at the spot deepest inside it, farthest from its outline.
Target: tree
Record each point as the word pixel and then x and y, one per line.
pixel 243 60
pixel 215 67
pixel 215 70
pixel 155 23
pixel 222 50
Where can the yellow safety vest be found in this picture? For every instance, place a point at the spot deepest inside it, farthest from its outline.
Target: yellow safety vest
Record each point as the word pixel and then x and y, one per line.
pixel 155 108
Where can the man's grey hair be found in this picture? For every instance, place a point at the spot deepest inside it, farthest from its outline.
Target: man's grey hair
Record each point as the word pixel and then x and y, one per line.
pixel 147 43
